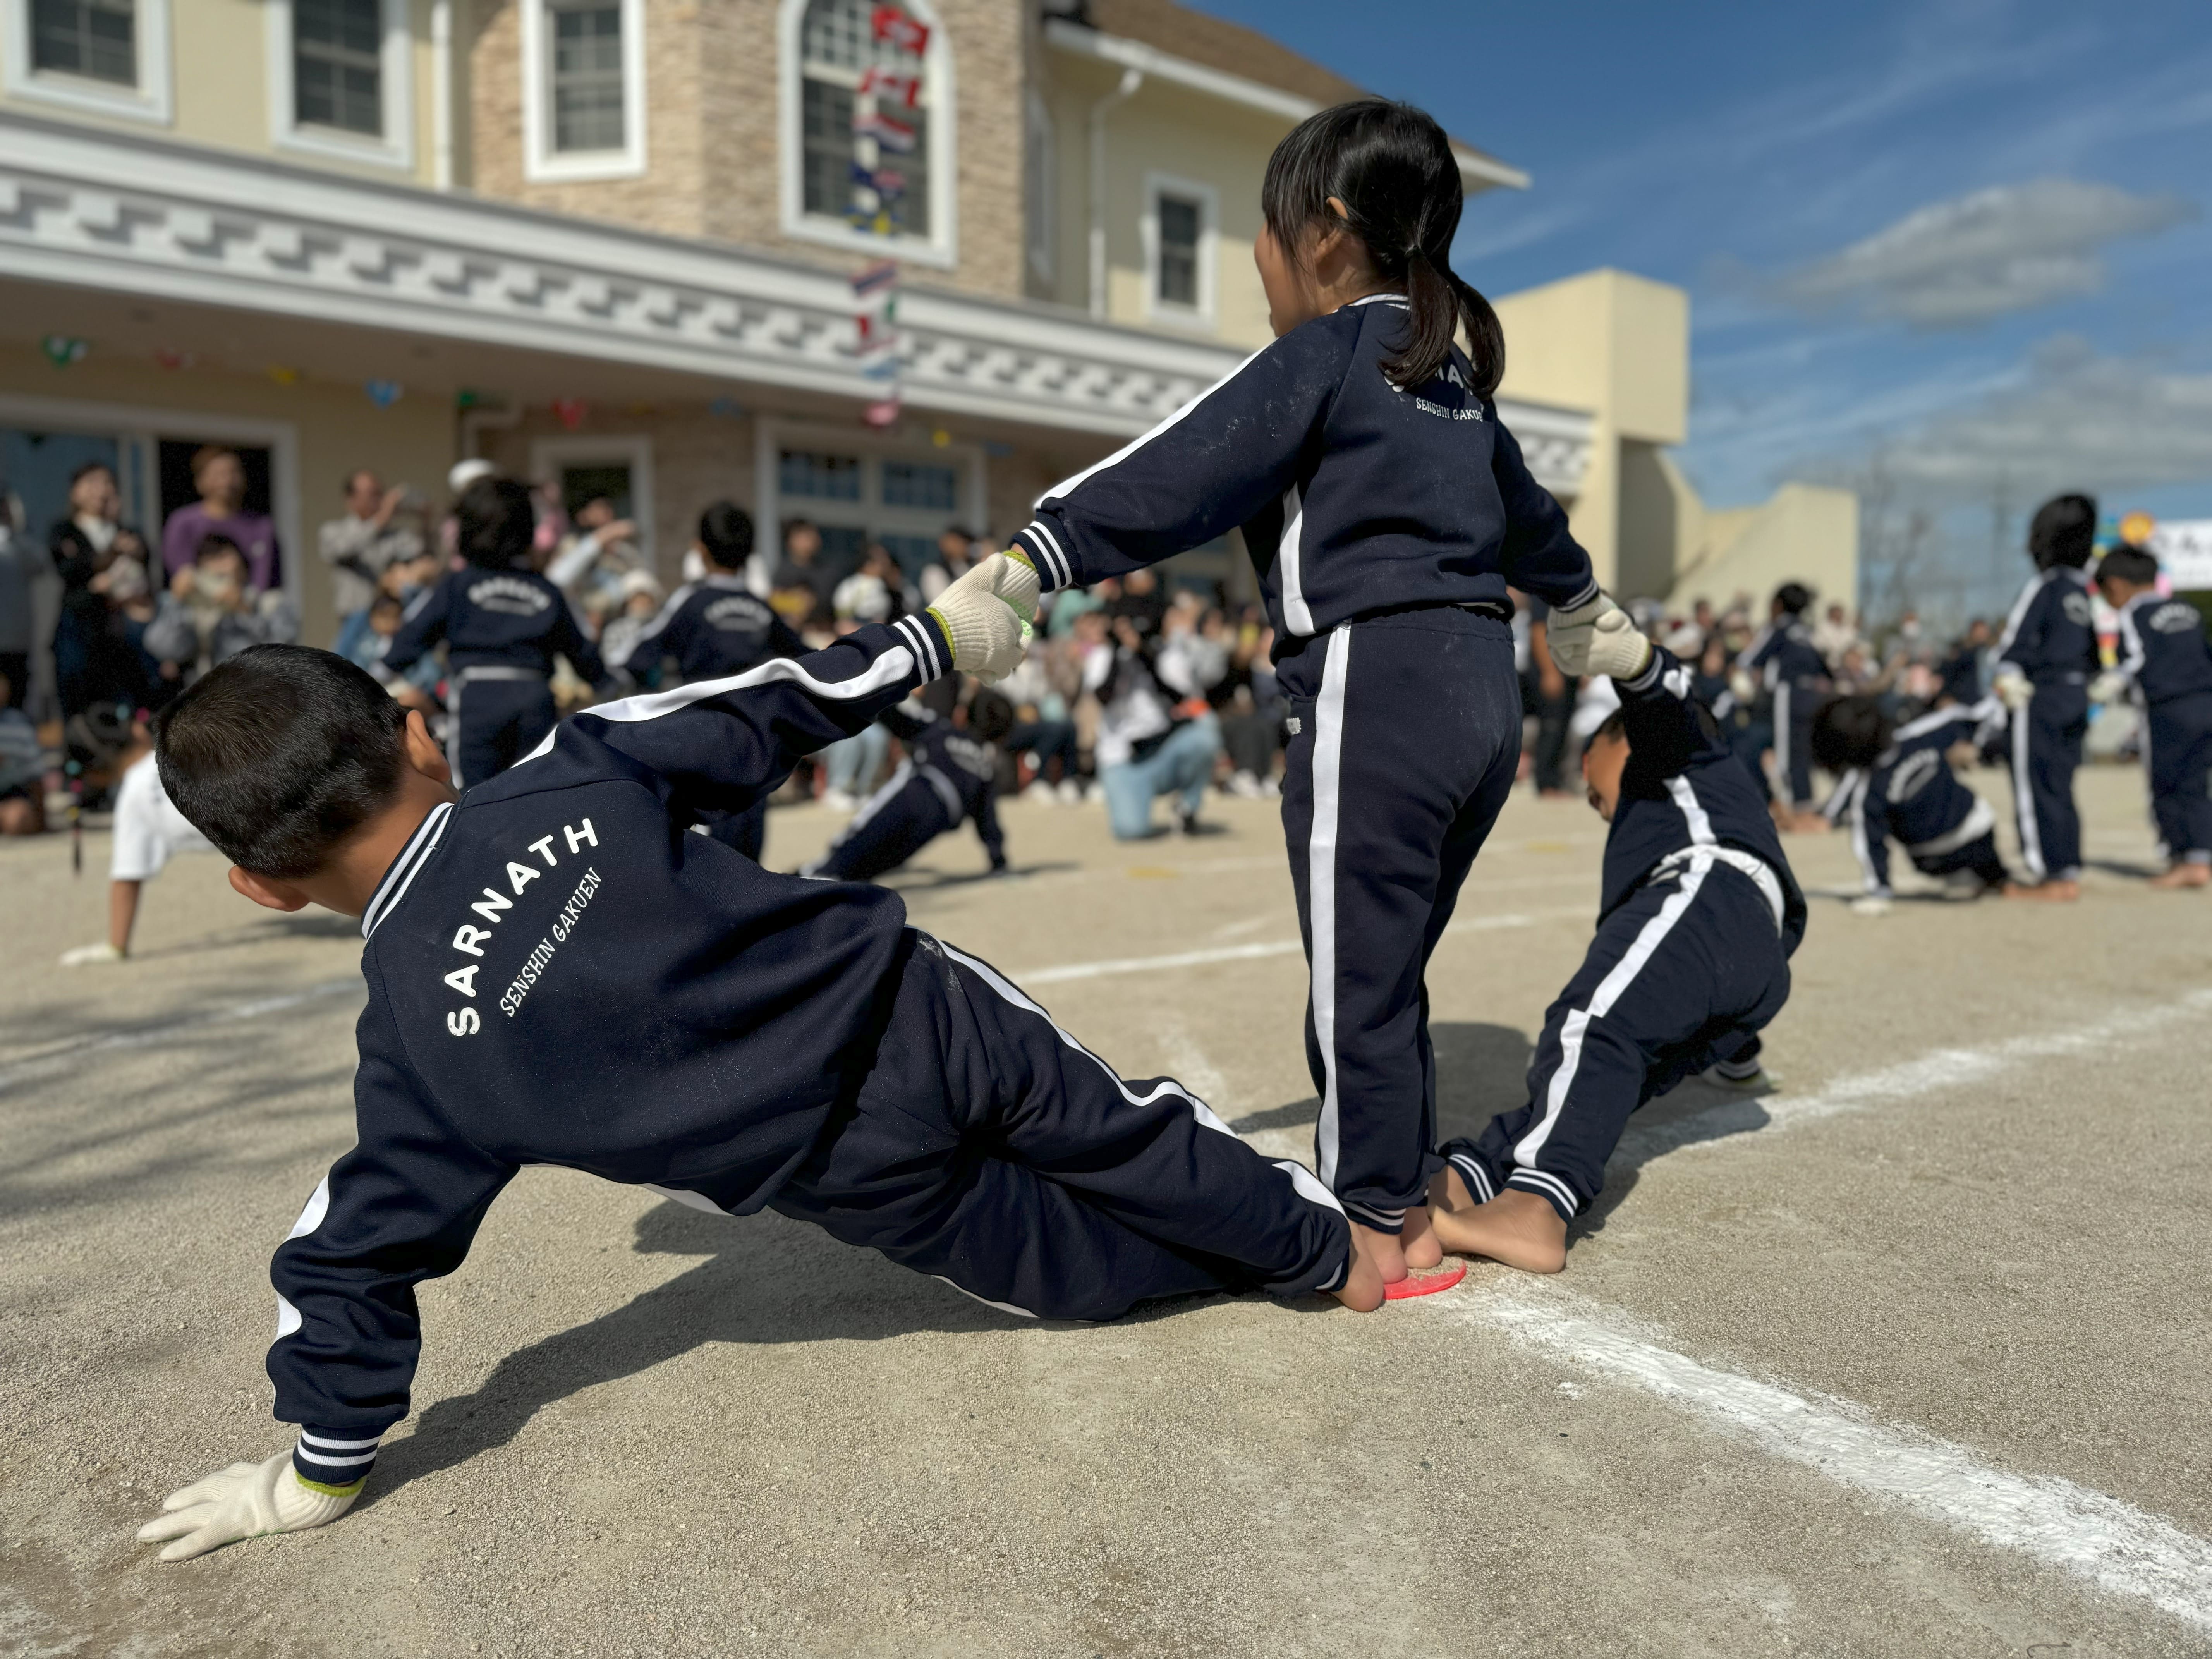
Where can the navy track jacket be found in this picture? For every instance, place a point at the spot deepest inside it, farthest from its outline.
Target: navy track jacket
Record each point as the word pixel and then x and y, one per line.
pixel 1684 790
pixel 712 627
pixel 559 973
pixel 492 619
pixel 1354 496
pixel 1912 795
pixel 2162 648
pixel 1785 654
pixel 2051 635
pixel 961 769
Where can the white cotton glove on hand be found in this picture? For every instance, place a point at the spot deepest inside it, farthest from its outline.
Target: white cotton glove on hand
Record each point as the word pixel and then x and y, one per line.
pixel 2013 687
pixel 983 616
pixel 1618 646
pixel 2108 686
pixel 1569 635
pixel 1870 904
pixel 247 1500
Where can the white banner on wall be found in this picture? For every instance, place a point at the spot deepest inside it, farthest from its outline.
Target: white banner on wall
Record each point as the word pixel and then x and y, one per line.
pixel 2184 549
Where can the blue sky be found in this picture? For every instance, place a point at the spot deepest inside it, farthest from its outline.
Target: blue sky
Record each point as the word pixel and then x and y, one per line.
pixel 1963 247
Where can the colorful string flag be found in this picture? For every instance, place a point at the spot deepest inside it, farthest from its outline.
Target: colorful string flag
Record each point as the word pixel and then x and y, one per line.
pixel 893 135
pixel 570 412
pixel 893 27
pixel 728 408
pixel 383 393
pixel 171 357
pixel 904 90
pixel 283 375
pixel 875 309
pixel 882 414
pixel 467 398
pixel 62 350
pixel 878 190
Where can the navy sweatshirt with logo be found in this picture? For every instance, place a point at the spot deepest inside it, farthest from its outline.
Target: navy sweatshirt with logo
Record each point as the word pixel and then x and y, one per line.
pixel 1684 792
pixel 712 627
pixel 960 767
pixel 559 973
pixel 1912 795
pixel 2051 635
pixel 2162 648
pixel 1354 495
pixel 492 619
pixel 1785 654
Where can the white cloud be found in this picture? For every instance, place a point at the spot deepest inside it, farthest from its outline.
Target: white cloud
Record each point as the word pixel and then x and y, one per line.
pixel 1965 261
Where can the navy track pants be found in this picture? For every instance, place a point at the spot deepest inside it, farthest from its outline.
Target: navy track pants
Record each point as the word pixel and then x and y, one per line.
pixel 1682 977
pixel 2177 755
pixel 896 823
pixel 1795 702
pixel 988 1148
pixel 1978 855
pixel 496 724
pixel 1407 735
pixel 2045 750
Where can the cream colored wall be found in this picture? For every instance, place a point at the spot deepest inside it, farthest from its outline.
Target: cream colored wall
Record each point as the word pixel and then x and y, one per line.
pixel 1802 533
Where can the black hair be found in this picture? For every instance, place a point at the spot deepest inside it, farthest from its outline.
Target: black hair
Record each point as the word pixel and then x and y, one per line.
pixel 383 600
pixel 725 532
pixel 86 469
pixel 1850 731
pixel 496 523
pixel 1392 168
pixel 214 544
pixel 1616 725
pixel 2063 532
pixel 2129 563
pixel 990 715
pixel 1795 599
pixel 280 754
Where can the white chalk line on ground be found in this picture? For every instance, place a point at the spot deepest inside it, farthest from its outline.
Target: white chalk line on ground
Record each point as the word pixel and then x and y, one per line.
pixel 61 1058
pixel 1944 1069
pixel 1276 947
pixel 2114 1545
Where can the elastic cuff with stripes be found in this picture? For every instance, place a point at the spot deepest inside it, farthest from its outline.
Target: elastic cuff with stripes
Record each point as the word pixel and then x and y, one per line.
pixel 931 640
pixel 1053 570
pixel 1479 1184
pixel 1588 596
pixel 334 1461
pixel 1548 1187
pixel 1382 1221
pixel 1647 679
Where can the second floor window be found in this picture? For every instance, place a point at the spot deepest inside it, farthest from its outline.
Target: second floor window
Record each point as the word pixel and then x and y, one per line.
pixel 338 65
pixel 838 48
pixel 587 76
pixel 1180 222
pixel 96 39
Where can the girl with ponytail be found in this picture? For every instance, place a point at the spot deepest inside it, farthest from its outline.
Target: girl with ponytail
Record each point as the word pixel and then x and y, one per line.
pixel 1387 511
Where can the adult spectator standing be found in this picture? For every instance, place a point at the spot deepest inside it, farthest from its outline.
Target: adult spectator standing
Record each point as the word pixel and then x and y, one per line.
pixel 800 589
pixel 84 547
pixel 360 545
pixel 1555 702
pixel 220 477
pixel 1963 675
pixel 1835 636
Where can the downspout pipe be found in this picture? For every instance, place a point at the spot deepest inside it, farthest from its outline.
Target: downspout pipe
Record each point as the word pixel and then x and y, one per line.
pixel 442 94
pixel 1131 79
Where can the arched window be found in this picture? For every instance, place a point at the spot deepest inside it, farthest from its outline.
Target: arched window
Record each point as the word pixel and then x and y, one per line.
pixel 867 126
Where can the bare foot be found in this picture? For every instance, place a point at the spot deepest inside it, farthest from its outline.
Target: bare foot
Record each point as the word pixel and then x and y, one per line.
pixel 1362 1290
pixel 2050 892
pixel 1516 1228
pixel 1420 1243
pixel 2184 875
pixel 1383 1249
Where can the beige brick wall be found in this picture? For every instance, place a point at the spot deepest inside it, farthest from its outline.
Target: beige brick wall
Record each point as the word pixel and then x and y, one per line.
pixel 712 133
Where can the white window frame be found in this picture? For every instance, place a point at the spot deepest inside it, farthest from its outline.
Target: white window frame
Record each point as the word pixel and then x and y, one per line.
pixel 541 162
pixel 151 101
pixel 940 247
pixel 631 449
pixel 772 437
pixel 1205 314
pixel 396 148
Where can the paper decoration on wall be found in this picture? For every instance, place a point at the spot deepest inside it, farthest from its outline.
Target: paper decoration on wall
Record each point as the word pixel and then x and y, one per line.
pixel 878 190
pixel 885 413
pixel 941 438
pixel 893 135
pixel 888 87
pixel 383 393
pixel 728 408
pixel 465 398
pixel 62 350
pixel 997 448
pixel 570 412
pixel 875 312
pixel 283 375
pixel 640 408
pixel 170 357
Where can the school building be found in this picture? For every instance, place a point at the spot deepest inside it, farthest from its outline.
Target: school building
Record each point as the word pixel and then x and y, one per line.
pixel 613 240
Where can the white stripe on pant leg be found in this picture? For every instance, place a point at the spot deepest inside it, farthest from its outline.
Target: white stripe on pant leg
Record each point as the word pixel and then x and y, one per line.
pixel 1609 988
pixel 1477 1179
pixel 2150 785
pixel 1782 741
pixel 2023 798
pixel 1321 889
pixel 453 730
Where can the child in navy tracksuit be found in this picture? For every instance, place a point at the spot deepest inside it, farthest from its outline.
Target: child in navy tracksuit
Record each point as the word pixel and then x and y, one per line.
pixel 1697 920
pixel 2164 659
pixel 951 774
pixel 1795 676
pixel 715 628
pixel 1387 510
pixel 1896 781
pixel 558 975
pixel 2046 660
pixel 502 624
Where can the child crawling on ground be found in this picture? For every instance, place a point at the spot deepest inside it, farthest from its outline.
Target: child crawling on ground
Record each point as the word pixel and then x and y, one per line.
pixel 951 774
pixel 1697 918
pixel 1897 782
pixel 558 973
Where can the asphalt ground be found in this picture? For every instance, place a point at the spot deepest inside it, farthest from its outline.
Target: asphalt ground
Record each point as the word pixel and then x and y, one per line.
pixel 1908 1357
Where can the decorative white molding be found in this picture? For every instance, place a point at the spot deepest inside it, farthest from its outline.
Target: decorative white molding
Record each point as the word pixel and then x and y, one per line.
pixel 541 162
pixel 1555 443
pixel 395 147
pixel 151 100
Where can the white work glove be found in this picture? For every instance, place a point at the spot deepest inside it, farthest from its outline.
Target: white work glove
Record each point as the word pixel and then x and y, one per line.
pixel 247 1500
pixel 2012 688
pixel 1618 646
pixel 983 618
pixel 2108 686
pixel 1870 904
pixel 1743 688
pixel 1567 635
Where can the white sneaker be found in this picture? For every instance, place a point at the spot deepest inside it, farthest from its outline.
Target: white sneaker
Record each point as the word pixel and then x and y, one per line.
pixel 1244 786
pixel 838 801
pixel 1071 792
pixel 1039 793
pixel 1270 790
pixel 88 955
